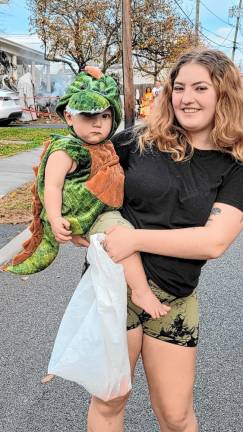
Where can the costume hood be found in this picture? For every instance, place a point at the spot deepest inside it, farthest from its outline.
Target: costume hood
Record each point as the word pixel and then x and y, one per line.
pixel 92 92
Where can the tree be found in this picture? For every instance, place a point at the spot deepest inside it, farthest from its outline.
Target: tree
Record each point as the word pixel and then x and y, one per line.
pixel 159 35
pixel 80 31
pixel 110 34
pixel 69 30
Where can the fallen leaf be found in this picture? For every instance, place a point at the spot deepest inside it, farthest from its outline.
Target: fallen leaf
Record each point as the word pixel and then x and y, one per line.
pixel 47 378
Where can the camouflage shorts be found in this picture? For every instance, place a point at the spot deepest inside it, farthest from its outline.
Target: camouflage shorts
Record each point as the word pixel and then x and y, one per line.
pixel 107 220
pixel 179 326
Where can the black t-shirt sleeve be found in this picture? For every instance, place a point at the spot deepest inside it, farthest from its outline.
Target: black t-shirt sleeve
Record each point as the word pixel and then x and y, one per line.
pixel 231 190
pixel 122 142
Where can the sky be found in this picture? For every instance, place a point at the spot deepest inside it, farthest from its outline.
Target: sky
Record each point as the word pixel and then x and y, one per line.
pixel 214 21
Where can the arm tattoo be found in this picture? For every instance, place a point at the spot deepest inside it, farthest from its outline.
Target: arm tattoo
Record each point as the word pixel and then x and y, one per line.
pixel 215 211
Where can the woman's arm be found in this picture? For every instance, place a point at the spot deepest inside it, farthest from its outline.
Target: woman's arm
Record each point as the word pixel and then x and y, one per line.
pixel 210 241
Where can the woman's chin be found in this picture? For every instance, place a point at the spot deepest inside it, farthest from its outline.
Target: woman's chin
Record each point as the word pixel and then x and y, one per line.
pixel 191 127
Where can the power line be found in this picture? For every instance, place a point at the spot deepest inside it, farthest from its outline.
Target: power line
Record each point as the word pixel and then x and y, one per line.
pixel 226 37
pixel 220 19
pixel 215 34
pixel 219 36
pixel 240 51
pixel 210 40
pixel 18 34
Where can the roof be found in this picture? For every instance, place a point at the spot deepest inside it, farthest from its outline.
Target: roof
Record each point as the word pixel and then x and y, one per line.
pixel 22 51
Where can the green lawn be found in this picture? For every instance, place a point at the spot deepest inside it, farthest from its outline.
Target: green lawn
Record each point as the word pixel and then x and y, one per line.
pixel 16 140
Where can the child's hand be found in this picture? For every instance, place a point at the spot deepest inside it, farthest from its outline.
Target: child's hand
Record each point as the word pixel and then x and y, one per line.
pixel 77 240
pixel 60 228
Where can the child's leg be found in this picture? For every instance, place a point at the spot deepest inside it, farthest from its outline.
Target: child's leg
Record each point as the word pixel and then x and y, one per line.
pixel 142 294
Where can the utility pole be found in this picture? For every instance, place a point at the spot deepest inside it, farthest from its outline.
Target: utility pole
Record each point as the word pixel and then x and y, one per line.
pixel 235 11
pixel 197 22
pixel 129 99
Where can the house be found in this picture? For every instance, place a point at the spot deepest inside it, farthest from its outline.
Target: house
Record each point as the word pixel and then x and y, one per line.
pixel 16 59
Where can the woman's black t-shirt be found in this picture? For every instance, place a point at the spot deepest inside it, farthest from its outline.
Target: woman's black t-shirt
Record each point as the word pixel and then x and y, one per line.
pixel 163 194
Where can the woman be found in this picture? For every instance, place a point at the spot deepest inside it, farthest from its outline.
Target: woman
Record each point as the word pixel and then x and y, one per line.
pixel 146 103
pixel 184 195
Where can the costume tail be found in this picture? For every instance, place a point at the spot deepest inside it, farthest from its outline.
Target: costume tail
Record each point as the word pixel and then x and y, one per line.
pixel 41 249
pixel 43 256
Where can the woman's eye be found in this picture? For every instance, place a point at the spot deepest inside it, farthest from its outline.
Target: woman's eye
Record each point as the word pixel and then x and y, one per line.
pixel 105 116
pixel 178 88
pixel 201 88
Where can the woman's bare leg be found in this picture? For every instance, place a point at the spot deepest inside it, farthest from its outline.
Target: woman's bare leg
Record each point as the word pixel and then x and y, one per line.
pixel 170 371
pixel 109 416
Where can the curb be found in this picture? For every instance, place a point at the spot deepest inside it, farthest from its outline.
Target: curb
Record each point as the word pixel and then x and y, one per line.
pixel 14 246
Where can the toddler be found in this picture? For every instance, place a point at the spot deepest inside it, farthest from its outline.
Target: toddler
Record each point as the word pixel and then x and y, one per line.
pixel 80 183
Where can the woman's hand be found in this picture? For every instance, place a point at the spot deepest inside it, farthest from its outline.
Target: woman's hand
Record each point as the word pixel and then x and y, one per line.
pixel 119 242
pixel 77 240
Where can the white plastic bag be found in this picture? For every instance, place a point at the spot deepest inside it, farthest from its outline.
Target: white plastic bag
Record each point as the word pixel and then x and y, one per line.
pixel 91 344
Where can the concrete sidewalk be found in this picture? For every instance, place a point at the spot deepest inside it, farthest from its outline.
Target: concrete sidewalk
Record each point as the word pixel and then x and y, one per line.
pixel 17 170
pixel 14 172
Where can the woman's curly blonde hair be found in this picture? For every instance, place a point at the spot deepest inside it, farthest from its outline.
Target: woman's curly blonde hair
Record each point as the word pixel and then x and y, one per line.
pixel 164 132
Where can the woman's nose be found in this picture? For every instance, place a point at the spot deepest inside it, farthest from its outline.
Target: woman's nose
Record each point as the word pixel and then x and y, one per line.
pixel 187 96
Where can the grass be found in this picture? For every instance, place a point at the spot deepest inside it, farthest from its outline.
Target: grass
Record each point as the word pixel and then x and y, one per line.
pixel 11 149
pixel 21 133
pixel 16 140
pixel 15 207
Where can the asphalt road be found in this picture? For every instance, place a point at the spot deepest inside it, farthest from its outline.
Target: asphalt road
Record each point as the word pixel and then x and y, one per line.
pixel 30 314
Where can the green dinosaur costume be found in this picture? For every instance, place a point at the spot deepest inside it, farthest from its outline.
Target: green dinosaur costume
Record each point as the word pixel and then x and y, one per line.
pixel 96 184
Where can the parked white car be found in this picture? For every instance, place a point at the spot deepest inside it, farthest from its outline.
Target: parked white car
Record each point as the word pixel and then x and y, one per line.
pixel 10 109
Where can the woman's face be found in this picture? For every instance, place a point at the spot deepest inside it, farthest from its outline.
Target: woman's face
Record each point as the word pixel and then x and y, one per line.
pixel 194 98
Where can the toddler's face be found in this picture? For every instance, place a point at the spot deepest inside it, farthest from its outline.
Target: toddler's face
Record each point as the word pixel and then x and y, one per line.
pixel 91 128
